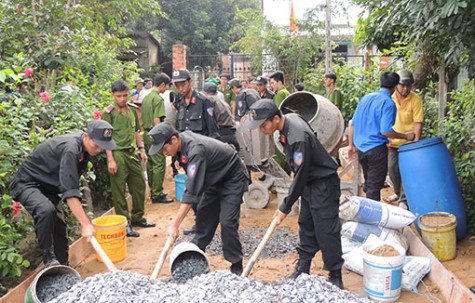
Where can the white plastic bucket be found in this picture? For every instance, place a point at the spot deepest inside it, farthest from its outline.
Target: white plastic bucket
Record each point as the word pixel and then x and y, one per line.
pixel 382 276
pixel 186 249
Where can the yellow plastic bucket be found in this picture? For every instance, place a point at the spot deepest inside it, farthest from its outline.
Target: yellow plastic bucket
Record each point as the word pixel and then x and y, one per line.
pixel 111 234
pixel 438 234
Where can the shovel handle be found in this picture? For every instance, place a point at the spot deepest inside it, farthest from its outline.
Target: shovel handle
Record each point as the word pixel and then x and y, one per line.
pixel 162 258
pixel 105 258
pixel 259 248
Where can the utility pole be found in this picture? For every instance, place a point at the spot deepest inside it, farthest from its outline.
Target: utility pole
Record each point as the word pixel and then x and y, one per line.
pixel 328 46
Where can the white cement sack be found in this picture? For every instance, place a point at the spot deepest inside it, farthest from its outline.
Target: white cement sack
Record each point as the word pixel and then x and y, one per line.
pixel 348 245
pixel 354 260
pixel 360 232
pixel 376 213
pixel 414 270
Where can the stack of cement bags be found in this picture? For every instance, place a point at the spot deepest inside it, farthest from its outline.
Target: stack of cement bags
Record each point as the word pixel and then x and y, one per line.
pixel 362 217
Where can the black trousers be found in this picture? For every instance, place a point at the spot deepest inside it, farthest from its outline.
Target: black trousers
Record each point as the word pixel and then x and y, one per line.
pixel 222 204
pixel 375 168
pixel 319 224
pixel 47 212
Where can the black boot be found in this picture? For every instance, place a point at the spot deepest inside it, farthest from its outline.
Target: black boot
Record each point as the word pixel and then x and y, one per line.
pixel 49 259
pixel 303 267
pixel 236 268
pixel 131 232
pixel 335 278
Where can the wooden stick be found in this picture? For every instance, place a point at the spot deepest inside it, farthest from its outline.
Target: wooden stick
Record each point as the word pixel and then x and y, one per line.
pixel 105 258
pixel 259 248
pixel 162 258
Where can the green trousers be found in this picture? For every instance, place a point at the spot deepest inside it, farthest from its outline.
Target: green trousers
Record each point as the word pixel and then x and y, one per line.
pixel 129 172
pixel 156 165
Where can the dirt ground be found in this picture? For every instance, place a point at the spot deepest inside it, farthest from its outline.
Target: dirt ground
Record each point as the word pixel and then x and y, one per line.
pixel 143 252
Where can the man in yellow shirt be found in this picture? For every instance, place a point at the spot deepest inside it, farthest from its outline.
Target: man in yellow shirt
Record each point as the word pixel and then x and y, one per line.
pixel 409 117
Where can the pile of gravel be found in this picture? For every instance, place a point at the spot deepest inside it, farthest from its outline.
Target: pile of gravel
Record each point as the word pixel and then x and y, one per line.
pixel 281 243
pixel 218 286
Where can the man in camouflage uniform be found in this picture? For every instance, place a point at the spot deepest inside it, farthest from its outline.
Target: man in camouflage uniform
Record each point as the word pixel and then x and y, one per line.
pixel 123 162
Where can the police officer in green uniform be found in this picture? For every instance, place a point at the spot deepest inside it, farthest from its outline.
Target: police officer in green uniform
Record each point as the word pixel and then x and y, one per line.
pixel 217 179
pixel 153 113
pixel 226 90
pixel 277 82
pixel 49 176
pixel 315 181
pixel 123 162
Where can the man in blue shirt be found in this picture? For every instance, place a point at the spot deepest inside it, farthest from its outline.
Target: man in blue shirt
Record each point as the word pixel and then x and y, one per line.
pixel 370 128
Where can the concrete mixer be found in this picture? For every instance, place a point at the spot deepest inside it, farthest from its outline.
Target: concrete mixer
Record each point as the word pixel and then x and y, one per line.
pixel 257 149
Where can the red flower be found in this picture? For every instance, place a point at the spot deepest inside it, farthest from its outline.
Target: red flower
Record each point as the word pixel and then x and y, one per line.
pixel 16 208
pixel 45 96
pixel 28 72
pixel 97 115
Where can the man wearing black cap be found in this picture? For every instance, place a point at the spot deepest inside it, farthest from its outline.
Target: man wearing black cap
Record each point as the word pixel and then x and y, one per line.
pixel 264 92
pixel 315 181
pixel 153 113
pixel 245 97
pixel 51 175
pixel 195 111
pixel 227 127
pixel 334 95
pixel 217 179
pixel 368 134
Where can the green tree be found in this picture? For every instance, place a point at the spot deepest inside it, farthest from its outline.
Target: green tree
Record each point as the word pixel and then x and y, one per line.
pixel 429 32
pixel 204 26
pixel 290 52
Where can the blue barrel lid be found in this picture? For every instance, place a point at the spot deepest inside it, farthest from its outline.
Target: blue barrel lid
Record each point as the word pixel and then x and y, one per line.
pixel 420 144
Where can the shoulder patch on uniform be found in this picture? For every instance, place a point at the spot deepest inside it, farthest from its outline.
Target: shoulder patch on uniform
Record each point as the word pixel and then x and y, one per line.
pixel 109 109
pixel 191 171
pixel 298 158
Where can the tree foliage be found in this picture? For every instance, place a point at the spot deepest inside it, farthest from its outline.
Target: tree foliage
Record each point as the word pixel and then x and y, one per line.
pixel 445 25
pixel 277 46
pixel 204 26
pixel 44 44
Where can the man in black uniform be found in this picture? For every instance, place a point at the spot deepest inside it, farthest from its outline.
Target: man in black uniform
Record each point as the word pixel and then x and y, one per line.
pixel 195 111
pixel 264 92
pixel 217 179
pixel 245 97
pixel 51 175
pixel 227 127
pixel 316 182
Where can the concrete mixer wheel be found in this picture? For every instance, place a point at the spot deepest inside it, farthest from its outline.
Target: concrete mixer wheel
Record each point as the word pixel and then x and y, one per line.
pixel 257 197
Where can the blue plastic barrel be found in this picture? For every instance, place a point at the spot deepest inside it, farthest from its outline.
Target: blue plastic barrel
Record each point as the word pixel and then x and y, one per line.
pixel 180 180
pixel 430 181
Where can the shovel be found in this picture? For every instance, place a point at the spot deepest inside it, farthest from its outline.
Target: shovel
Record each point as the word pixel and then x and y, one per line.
pixel 105 258
pixel 162 258
pixel 259 248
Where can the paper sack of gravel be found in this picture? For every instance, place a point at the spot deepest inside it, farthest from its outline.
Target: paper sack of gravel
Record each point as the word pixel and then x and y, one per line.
pixel 218 286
